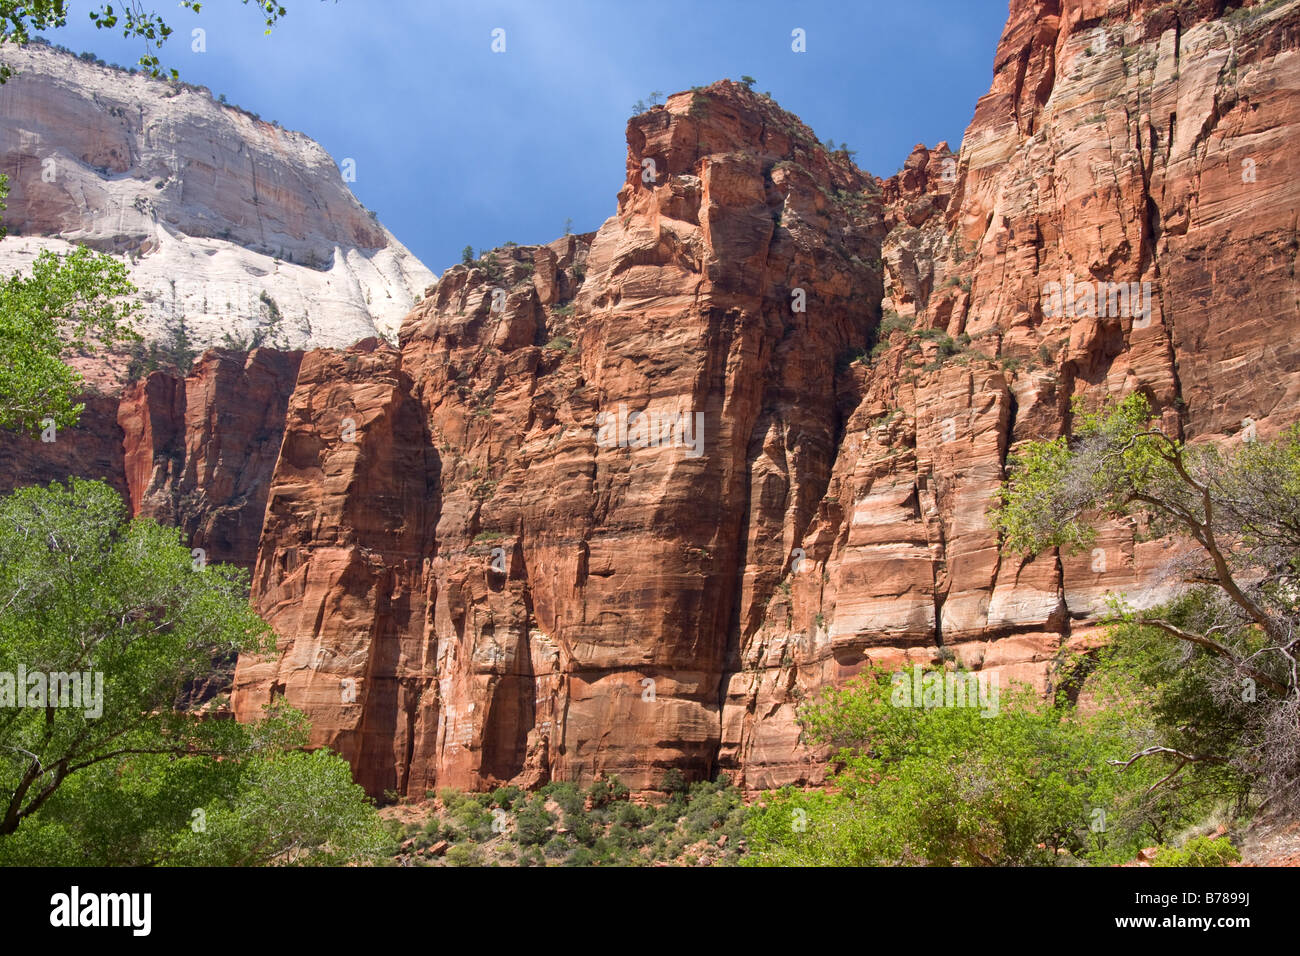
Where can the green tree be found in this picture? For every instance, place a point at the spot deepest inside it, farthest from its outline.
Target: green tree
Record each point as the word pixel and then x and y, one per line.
pixel 70 304
pixel 1237 704
pixel 19 19
pixel 467 256
pixel 534 822
pixel 124 605
pixel 749 81
pixel 263 806
pixel 109 770
pixel 289 808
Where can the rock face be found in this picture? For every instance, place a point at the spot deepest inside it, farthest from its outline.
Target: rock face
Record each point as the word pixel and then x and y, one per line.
pixel 231 225
pixel 585 609
pixel 619 503
pixel 565 597
pixel 198 452
pixel 1139 143
pixel 195 452
pixel 93 449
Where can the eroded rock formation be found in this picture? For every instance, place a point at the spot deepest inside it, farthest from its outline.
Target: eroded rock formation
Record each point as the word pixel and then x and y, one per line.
pixel 575 610
pixel 509 550
pixel 1138 143
pixel 596 610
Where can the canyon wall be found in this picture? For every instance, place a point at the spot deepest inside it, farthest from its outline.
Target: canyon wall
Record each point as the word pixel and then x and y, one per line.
pixel 530 601
pixel 584 609
pixel 195 453
pixel 619 503
pixel 1124 142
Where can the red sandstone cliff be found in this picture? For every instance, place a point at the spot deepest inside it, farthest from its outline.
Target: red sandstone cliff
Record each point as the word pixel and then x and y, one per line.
pixel 601 640
pixel 470 587
pixel 839 513
pixel 1121 142
pixel 194 452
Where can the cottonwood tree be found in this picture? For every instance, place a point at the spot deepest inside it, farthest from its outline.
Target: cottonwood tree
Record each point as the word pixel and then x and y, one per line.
pixel 70 304
pixel 122 774
pixel 1236 621
pixel 946 785
pixel 87 592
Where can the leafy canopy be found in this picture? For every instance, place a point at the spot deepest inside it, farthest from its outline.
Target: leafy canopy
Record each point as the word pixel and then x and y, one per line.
pixel 129 776
pixel 89 592
pixel 945 786
pixel 70 304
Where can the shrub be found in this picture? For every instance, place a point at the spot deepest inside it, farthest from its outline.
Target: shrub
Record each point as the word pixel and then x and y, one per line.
pixel 566 794
pixel 464 855
pixel 946 786
pixel 606 791
pixel 533 823
pixel 557 847
pixel 674 782
pixel 506 797
pixel 1201 851
pixel 892 322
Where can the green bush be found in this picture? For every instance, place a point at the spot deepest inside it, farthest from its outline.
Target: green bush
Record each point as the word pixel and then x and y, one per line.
pixel 892 322
pixel 607 791
pixel 463 854
pixel 533 823
pixel 557 847
pixel 1201 851
pixel 673 781
pixel 947 786
pixel 507 797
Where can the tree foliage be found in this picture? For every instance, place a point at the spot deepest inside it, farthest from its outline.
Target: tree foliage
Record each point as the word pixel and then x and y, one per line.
pixel 21 19
pixel 70 304
pixel 1234 627
pixel 125 776
pixel 88 592
pixel 946 786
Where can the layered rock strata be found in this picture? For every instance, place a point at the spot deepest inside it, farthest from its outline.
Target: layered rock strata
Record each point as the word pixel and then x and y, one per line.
pixel 618 504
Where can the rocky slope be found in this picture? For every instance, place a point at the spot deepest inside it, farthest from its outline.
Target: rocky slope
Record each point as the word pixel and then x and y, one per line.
pixel 230 224
pixel 509 550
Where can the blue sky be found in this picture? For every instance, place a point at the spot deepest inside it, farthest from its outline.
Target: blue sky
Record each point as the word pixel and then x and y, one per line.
pixel 455 144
